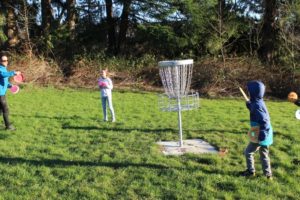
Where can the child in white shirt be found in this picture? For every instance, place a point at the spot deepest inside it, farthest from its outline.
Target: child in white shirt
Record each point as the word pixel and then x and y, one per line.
pixel 106 86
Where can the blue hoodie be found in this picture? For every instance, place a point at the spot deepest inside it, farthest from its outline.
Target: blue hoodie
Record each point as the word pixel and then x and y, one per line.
pixel 4 76
pixel 259 115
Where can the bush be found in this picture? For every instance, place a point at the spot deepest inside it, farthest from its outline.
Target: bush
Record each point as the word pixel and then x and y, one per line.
pixel 214 78
pixel 211 76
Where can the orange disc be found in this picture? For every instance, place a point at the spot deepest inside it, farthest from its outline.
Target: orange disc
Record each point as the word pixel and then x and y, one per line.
pixel 292 96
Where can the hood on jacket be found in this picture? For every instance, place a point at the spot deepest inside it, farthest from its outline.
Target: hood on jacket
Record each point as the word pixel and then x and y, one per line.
pixel 256 90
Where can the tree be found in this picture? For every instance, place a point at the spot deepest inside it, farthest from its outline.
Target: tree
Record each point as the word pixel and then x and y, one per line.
pixel 25 23
pixel 47 19
pixel 71 24
pixel 3 37
pixel 269 32
pixel 12 32
pixel 124 23
pixel 289 36
pixel 71 18
pixel 110 27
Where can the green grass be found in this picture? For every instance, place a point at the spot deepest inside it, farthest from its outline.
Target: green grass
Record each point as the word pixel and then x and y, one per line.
pixel 63 150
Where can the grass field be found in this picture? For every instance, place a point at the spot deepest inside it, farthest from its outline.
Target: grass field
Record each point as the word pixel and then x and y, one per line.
pixel 62 149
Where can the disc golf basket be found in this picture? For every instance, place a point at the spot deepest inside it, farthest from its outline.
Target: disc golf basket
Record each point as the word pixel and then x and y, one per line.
pixel 176 78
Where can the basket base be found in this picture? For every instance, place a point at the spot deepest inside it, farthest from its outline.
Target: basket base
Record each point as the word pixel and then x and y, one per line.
pixel 195 146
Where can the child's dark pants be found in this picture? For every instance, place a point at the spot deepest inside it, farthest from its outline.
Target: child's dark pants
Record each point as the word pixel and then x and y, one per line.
pixel 264 157
pixel 4 110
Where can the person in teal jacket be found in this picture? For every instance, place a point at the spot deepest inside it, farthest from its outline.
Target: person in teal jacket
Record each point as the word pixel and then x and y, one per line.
pixel 261 133
pixel 4 84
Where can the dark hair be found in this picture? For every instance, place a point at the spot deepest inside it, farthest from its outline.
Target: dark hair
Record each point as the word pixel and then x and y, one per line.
pixel 3 54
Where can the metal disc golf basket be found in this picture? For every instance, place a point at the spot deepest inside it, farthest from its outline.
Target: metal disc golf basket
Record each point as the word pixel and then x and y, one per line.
pixel 176 78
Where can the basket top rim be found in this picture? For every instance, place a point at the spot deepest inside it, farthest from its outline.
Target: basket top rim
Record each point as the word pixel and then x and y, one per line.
pixel 172 63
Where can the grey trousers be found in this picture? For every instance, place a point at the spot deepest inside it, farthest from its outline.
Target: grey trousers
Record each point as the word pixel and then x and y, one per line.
pixel 108 99
pixel 264 158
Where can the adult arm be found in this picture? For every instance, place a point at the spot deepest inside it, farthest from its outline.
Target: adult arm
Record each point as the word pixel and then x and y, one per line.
pixel 4 74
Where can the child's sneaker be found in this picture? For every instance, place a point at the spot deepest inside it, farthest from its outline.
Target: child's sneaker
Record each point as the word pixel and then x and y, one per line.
pixel 269 177
pixel 10 128
pixel 247 173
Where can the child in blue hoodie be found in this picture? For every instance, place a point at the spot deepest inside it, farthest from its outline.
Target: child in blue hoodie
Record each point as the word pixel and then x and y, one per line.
pixel 261 133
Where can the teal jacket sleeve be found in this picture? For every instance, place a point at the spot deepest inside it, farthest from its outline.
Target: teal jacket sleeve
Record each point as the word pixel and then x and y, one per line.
pixel 6 74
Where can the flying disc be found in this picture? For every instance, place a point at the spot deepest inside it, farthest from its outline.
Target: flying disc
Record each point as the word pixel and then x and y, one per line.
pixel 292 97
pixel 297 114
pixel 14 89
pixel 102 84
pixel 19 78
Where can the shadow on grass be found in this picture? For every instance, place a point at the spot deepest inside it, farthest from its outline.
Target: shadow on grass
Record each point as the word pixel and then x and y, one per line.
pixel 76 117
pixel 218 131
pixel 3 135
pixel 208 131
pixel 52 117
pixel 114 165
pixel 118 129
pixel 66 163
pixel 296 161
pixel 286 136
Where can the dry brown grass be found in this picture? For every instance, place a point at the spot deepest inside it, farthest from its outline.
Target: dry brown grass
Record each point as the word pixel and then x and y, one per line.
pixel 211 77
pixel 37 70
pixel 214 78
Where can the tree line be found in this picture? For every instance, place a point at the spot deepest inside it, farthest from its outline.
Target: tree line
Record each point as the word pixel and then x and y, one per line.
pixel 266 29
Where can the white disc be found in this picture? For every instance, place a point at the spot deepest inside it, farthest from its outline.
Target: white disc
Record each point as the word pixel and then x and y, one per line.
pixel 297 114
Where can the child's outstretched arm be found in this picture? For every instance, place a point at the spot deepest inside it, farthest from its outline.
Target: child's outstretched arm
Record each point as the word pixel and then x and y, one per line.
pixel 248 105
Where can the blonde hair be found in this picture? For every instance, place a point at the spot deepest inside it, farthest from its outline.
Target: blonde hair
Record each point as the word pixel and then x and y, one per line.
pixel 106 71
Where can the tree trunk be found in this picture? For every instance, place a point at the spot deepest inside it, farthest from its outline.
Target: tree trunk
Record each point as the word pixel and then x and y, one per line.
pixel 111 27
pixel 27 41
pixel 46 20
pixel 71 18
pixel 124 24
pixel 221 7
pixel 269 32
pixel 12 32
pixel 71 21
